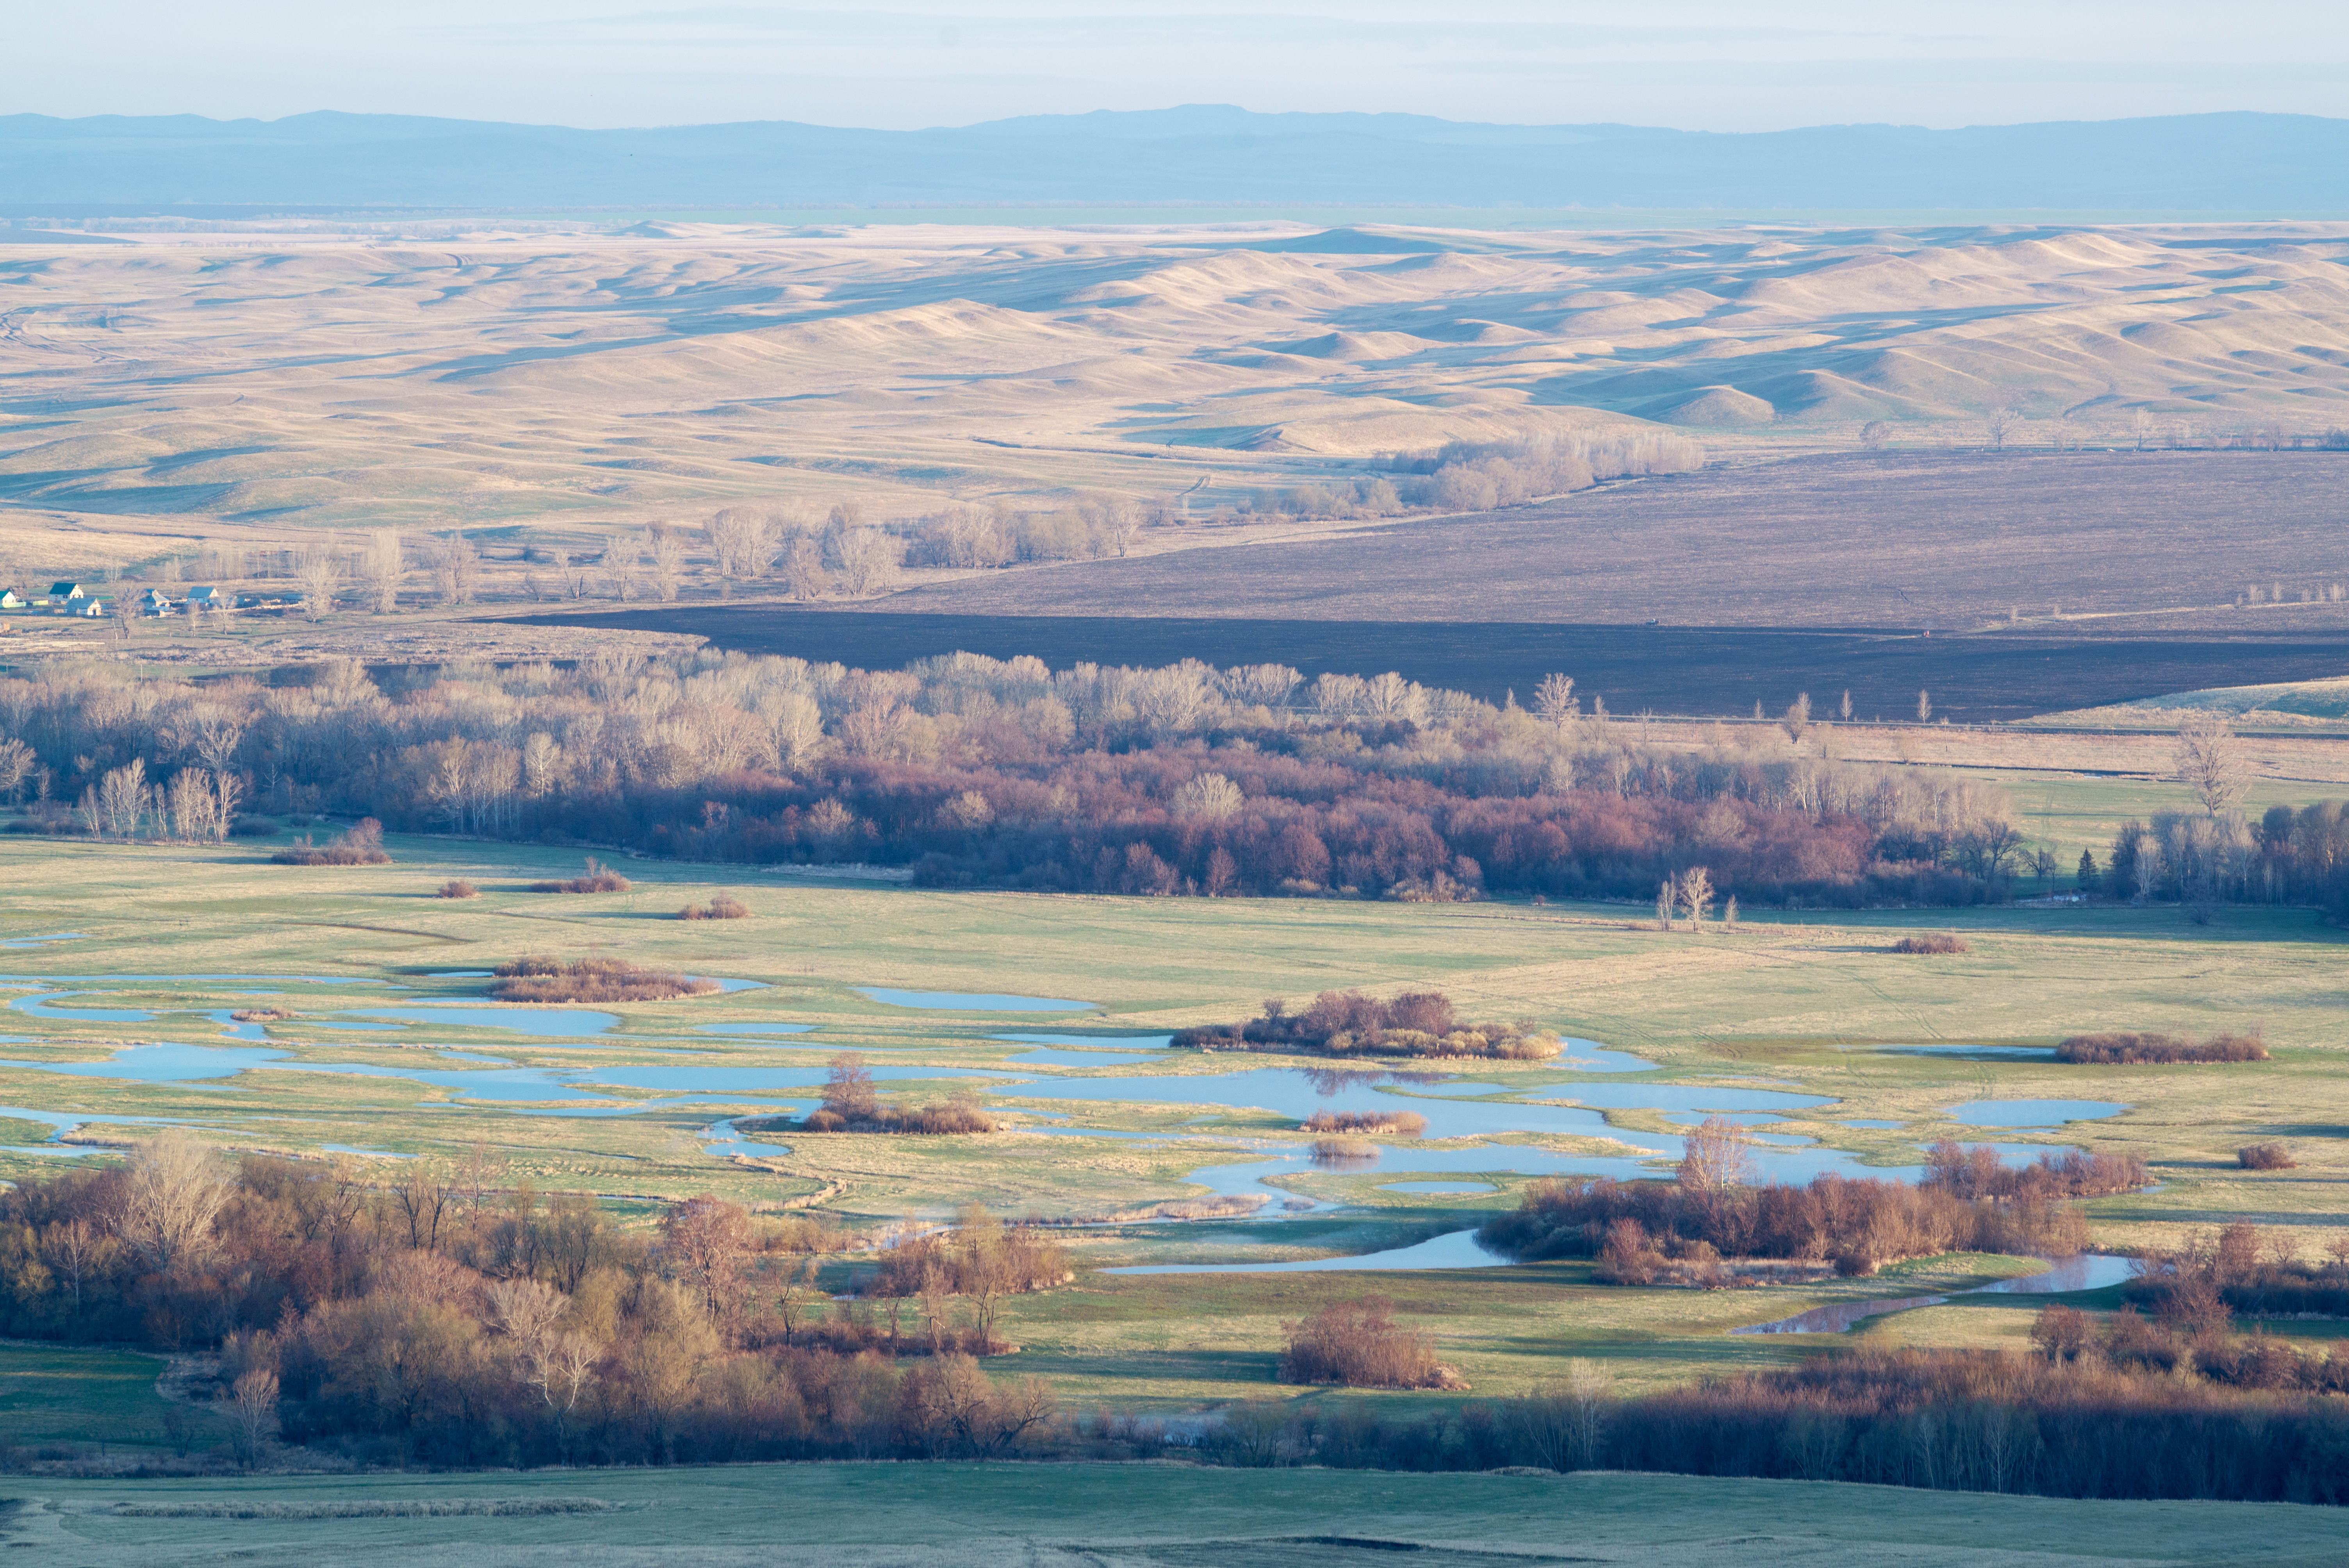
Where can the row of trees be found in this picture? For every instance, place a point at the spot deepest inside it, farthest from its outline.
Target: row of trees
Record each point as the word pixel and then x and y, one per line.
pixel 1180 780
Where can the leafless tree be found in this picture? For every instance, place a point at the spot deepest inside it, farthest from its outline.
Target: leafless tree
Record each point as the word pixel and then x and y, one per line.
pixel 456 569
pixel 254 1402
pixel 1845 709
pixel 1798 716
pixel 870 560
pixel 317 575
pixel 1666 894
pixel 176 1188
pixel 17 761
pixel 2002 424
pixel 1555 702
pixel 621 565
pixel 122 795
pixel 666 553
pixel 1874 435
pixel 2210 762
pixel 803 569
pixel 422 1198
pixel 382 569
pixel 1924 706
pixel 73 1249
pixel 1716 1156
pixel 1696 894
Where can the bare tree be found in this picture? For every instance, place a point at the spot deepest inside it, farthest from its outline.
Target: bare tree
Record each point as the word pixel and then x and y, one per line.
pixel 620 564
pixel 666 551
pixel 1924 706
pixel 870 560
pixel 2002 424
pixel 456 570
pixel 317 575
pixel 1874 435
pixel 1555 702
pixel 1696 894
pixel 2210 762
pixel 422 1198
pixel 803 569
pixel 17 761
pixel 254 1401
pixel 1716 1156
pixel 1845 709
pixel 382 569
pixel 1666 894
pixel 176 1188
pixel 122 795
pixel 1798 716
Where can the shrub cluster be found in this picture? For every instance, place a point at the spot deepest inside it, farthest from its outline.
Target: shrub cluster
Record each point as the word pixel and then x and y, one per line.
pixel 1347 1023
pixel 2265 1156
pixel 2197 1288
pixel 458 887
pixel 1358 1345
pixel 435 1321
pixel 598 878
pixel 725 906
pixel 359 845
pixel 1636 1228
pixel 1395 1124
pixel 2132 1049
pixel 1930 942
pixel 532 979
pixel 852 1104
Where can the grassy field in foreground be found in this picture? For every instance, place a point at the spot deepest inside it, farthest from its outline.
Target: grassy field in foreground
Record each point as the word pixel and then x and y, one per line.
pixel 1801 1000
pixel 53 1393
pixel 1062 1516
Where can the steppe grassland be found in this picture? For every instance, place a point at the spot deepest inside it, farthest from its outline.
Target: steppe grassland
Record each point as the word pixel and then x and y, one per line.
pixel 1796 999
pixel 1157 1516
pixel 566 383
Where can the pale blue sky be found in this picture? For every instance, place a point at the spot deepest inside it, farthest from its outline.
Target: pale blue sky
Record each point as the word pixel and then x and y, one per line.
pixel 1697 66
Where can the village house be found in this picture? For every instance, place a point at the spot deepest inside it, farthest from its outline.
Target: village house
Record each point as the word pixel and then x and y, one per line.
pixel 11 600
pixel 65 598
pixel 199 600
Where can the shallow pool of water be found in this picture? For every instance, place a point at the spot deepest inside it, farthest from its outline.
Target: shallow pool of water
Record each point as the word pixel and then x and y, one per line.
pixel 1437 1187
pixel 372 1153
pixel 1080 1057
pixel 44 940
pixel 1737 1117
pixel 1680 1097
pixel 1091 1042
pixel 2032 1112
pixel 1591 1057
pixel 1456 1250
pixel 754 1026
pixel 162 1062
pixel 2088 1271
pixel 971 1001
pixel 558 1022
pixel 723 1138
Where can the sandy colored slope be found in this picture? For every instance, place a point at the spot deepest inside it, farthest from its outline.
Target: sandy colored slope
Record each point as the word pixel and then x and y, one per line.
pixel 272 384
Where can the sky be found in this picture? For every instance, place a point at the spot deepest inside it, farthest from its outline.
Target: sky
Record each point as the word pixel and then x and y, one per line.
pixel 1693 65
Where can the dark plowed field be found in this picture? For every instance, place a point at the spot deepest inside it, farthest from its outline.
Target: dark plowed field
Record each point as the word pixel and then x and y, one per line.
pixel 1945 540
pixel 1703 670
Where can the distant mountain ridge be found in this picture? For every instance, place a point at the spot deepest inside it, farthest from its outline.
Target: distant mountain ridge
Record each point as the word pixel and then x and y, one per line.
pixel 2236 165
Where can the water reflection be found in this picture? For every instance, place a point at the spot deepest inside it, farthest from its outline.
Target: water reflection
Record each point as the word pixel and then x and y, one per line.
pixel 1455 1250
pixel 2088 1271
pixel 2032 1112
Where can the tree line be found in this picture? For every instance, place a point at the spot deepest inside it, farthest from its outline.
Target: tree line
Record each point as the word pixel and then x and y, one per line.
pixel 1186 780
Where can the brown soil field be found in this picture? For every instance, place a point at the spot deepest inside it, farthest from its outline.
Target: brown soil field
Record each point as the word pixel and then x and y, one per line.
pixel 1915 539
pixel 1670 669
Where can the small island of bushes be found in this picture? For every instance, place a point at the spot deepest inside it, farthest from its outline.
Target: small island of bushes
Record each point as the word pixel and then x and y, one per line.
pixel 1351 1024
pixel 2122 1049
pixel 592 980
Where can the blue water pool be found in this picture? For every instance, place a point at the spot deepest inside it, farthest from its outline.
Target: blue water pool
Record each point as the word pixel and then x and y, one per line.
pixel 2032 1112
pixel 1458 1250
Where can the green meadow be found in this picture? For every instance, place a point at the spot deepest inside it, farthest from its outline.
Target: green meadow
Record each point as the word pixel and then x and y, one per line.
pixel 1808 1001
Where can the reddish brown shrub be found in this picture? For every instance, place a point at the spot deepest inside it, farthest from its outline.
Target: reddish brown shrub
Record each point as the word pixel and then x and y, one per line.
pixel 723 907
pixel 2131 1049
pixel 592 980
pixel 1358 1345
pixel 1347 1023
pixel 1931 942
pixel 458 888
pixel 1399 1123
pixel 599 878
pixel 2265 1156
pixel 361 846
